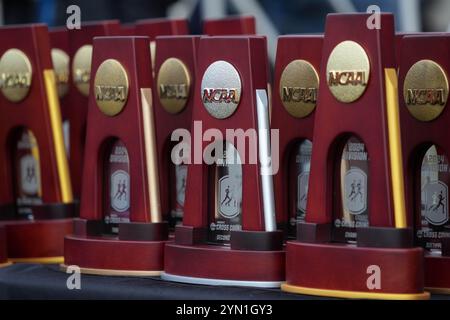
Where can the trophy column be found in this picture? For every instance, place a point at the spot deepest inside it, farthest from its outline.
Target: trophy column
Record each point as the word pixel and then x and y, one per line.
pixel 120 230
pixel 74 104
pixel 174 88
pixel 423 95
pixel 36 195
pixel 355 241
pixel 229 214
pixel 295 98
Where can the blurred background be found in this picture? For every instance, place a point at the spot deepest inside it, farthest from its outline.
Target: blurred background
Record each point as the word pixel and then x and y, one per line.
pixel 273 17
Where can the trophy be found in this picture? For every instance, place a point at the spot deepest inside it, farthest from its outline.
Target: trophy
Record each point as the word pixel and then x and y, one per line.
pixel 35 190
pixel 127 29
pixel 120 230
pixel 59 43
pixel 229 212
pixel 355 241
pixel 174 87
pixel 423 95
pixel 76 101
pixel 3 249
pixel 294 101
pixel 230 26
pixel 160 27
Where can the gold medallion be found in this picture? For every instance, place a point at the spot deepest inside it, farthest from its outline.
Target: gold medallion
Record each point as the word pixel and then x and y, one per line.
pixel 221 89
pixel 81 69
pixel 15 75
pixel 299 84
pixel 348 71
pixel 173 85
pixel 60 61
pixel 111 87
pixel 425 90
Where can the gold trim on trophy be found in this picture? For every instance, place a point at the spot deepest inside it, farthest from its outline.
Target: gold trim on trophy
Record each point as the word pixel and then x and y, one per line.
pixel 348 71
pixel 151 158
pixel 58 136
pixel 299 85
pixel 15 75
pixel 111 87
pixel 173 85
pixel 425 90
pixel 81 69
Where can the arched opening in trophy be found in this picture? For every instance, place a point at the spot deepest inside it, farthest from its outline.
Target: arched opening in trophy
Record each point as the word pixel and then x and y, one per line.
pixel 176 160
pixel 116 186
pixel 299 163
pixel 225 192
pixel 351 200
pixel 431 202
pixel 26 175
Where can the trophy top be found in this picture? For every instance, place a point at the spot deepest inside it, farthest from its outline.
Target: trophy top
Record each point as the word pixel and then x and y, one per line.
pixel 156 27
pixel 230 25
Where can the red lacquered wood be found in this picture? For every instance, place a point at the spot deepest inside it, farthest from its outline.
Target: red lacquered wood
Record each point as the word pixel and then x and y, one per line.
pixel 37 239
pixel 248 56
pixel 127 29
pixel 101 253
pixel 230 26
pixel 183 48
pixel 366 118
pixel 291 129
pixel 3 247
pixel 344 267
pixel 76 102
pixel 218 262
pixel 133 54
pixel 417 136
pixel 32 112
pixel 437 275
pixel 159 27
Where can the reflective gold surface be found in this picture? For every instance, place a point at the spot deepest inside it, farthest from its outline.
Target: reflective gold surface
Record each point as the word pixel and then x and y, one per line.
pixel 348 71
pixel 15 75
pixel 299 84
pixel 111 87
pixel 425 90
pixel 60 61
pixel 81 69
pixel 173 85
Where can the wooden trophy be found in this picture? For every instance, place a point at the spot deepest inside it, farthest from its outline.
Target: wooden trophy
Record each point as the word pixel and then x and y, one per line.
pixel 35 189
pixel 76 101
pixel 425 118
pixel 229 213
pixel 160 27
pixel 230 26
pixel 294 100
pixel 3 249
pixel 120 230
pixel 174 90
pixel 355 241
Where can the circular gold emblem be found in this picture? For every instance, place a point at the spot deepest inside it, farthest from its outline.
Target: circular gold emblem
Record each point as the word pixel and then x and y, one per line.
pixel 111 87
pixel 221 89
pixel 81 69
pixel 60 61
pixel 173 85
pixel 348 71
pixel 425 90
pixel 299 84
pixel 15 75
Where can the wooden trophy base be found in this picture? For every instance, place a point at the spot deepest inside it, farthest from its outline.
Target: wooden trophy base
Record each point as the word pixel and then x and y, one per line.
pixel 222 265
pixel 437 275
pixel 138 250
pixel 343 271
pixel 38 241
pixel 3 249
